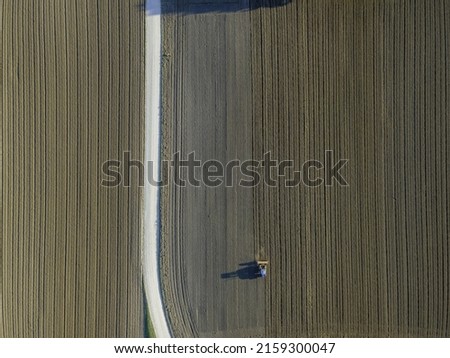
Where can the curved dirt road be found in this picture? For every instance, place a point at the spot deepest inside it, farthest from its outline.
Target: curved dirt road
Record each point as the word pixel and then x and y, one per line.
pixel 151 220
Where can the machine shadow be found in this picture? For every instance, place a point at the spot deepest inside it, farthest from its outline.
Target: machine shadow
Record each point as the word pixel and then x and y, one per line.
pixel 248 271
pixel 190 7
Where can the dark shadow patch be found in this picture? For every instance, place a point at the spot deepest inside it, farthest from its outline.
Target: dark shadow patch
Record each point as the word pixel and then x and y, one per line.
pixel 190 7
pixel 247 271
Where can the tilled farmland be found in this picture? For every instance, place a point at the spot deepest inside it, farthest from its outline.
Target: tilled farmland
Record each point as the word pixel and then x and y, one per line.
pixel 368 80
pixel 72 98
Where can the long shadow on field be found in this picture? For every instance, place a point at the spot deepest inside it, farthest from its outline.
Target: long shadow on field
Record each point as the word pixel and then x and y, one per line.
pixel 248 271
pixel 190 7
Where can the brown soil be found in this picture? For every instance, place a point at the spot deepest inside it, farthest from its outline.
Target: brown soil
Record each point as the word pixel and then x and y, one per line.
pixel 72 97
pixel 366 79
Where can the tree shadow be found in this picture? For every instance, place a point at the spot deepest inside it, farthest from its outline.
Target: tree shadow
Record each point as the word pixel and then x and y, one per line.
pixel 190 7
pixel 248 271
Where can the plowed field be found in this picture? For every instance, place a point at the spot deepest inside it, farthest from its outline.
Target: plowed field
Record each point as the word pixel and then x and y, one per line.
pixel 369 80
pixel 71 98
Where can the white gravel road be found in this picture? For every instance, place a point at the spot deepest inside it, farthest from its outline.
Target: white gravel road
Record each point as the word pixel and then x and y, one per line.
pixel 151 193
